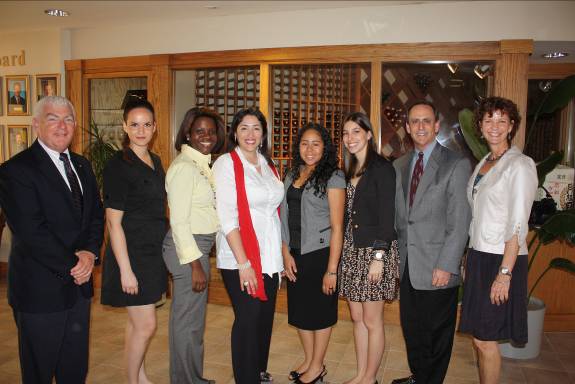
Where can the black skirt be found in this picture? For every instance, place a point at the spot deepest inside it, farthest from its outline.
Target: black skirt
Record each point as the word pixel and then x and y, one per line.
pixel 308 307
pixel 486 321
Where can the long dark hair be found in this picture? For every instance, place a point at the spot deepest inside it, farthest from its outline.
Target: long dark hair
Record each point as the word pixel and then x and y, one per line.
pixel 131 105
pixel 362 120
pixel 326 165
pixel 238 117
pixel 188 122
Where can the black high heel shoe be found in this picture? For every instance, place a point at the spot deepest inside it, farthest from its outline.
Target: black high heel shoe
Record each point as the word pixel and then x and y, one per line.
pixel 318 378
pixel 294 375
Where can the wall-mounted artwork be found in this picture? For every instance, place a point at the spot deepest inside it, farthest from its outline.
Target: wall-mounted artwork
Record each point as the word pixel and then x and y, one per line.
pixel 18 139
pixel 17 95
pixel 47 85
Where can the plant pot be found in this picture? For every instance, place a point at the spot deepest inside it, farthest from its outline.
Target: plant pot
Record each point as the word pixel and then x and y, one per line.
pixel 535 319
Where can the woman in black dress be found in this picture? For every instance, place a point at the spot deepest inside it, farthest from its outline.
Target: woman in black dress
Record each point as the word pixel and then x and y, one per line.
pixel 369 268
pixel 134 275
pixel 312 237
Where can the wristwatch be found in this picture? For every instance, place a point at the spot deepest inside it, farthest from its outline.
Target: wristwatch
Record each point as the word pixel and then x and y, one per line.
pixel 505 271
pixel 378 256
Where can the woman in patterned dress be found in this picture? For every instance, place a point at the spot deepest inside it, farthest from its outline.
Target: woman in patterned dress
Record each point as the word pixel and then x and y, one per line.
pixel 369 269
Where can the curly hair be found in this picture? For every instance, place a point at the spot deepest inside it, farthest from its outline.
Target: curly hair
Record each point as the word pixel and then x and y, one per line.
pixel 326 165
pixel 491 104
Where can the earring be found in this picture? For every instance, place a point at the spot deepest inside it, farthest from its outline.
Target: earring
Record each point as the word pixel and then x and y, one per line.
pixel 509 136
pixel 235 138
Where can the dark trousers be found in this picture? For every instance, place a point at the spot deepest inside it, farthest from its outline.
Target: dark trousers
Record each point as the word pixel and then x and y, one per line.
pixel 252 329
pixel 428 321
pixel 54 344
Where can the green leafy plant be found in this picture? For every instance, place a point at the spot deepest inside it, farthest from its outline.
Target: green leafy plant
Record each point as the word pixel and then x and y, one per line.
pixel 98 151
pixel 559 226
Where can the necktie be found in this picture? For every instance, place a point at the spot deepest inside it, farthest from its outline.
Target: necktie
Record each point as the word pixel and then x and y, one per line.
pixel 74 184
pixel 417 172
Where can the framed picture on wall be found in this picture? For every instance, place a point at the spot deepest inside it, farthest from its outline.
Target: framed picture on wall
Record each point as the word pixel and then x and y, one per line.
pixel 18 137
pixel 17 95
pixel 47 85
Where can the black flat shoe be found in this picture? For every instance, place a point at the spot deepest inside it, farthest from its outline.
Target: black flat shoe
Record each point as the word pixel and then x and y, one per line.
pixel 266 377
pixel 318 378
pixel 294 375
pixel 404 380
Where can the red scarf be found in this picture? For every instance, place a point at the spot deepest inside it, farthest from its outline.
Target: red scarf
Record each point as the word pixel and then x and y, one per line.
pixel 247 232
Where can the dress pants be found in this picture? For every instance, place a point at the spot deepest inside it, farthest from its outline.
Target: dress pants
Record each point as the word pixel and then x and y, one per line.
pixel 428 320
pixel 252 329
pixel 187 314
pixel 54 344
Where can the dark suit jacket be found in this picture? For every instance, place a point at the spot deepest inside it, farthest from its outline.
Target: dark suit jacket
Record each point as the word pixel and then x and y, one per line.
pixel 21 101
pixel 373 209
pixel 433 232
pixel 45 230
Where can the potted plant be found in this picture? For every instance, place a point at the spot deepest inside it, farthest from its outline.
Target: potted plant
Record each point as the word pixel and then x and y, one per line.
pixel 98 151
pixel 561 227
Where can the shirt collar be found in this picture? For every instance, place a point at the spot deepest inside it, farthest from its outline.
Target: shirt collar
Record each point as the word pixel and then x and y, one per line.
pixel 426 152
pixel 196 155
pixel 52 153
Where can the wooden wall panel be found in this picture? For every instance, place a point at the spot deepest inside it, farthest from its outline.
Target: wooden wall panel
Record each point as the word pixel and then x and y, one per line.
pixel 375 105
pixel 511 82
pixel 74 94
pixel 556 288
pixel 160 95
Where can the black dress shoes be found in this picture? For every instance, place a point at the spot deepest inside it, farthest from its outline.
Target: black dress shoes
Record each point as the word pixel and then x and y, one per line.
pixel 405 380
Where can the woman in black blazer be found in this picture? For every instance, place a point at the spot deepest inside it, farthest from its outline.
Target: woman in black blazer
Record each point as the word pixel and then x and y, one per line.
pixel 369 269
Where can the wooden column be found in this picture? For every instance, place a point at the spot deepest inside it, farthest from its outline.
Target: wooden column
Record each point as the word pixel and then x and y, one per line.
pixel 265 105
pixel 375 104
pixel 511 74
pixel 74 91
pixel 160 95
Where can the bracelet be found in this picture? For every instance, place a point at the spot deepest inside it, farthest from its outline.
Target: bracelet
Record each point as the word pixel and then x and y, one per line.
pixel 244 266
pixel 502 282
pixel 331 273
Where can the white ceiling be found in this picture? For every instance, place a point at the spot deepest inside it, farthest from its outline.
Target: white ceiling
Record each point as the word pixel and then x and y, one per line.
pixel 16 16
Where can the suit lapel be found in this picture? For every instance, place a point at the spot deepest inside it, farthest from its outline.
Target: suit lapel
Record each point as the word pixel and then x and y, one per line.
pixel 53 176
pixel 428 174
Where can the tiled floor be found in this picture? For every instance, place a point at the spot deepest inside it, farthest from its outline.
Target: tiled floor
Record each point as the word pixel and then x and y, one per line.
pixel 555 365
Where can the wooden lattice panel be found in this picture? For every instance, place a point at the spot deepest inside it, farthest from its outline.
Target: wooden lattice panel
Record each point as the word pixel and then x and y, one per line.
pixel 228 90
pixel 323 94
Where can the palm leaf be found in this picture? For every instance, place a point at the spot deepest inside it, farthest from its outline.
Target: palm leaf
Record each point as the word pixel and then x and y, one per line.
pixel 475 144
pixel 547 165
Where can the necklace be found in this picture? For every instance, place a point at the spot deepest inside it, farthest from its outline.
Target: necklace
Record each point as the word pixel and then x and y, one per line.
pixel 208 179
pixel 495 158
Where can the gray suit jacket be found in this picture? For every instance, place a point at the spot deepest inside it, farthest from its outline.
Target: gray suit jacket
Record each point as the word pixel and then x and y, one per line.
pixel 434 231
pixel 315 223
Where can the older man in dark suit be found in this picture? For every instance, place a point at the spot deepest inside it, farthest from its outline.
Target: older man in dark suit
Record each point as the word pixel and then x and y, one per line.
pixel 432 218
pixel 54 211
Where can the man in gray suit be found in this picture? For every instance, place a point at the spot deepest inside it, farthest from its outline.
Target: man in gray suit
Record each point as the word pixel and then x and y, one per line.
pixel 432 218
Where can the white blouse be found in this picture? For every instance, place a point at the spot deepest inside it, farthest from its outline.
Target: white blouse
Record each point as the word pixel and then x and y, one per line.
pixel 501 202
pixel 265 193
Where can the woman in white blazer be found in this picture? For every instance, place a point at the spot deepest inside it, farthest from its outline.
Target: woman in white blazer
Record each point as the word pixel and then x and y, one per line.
pixel 501 192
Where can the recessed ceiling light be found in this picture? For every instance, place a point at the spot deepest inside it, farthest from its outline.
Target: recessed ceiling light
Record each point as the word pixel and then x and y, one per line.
pixel 555 55
pixel 56 12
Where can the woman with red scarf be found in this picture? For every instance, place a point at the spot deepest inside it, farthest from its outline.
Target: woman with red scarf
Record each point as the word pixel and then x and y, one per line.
pixel 248 194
